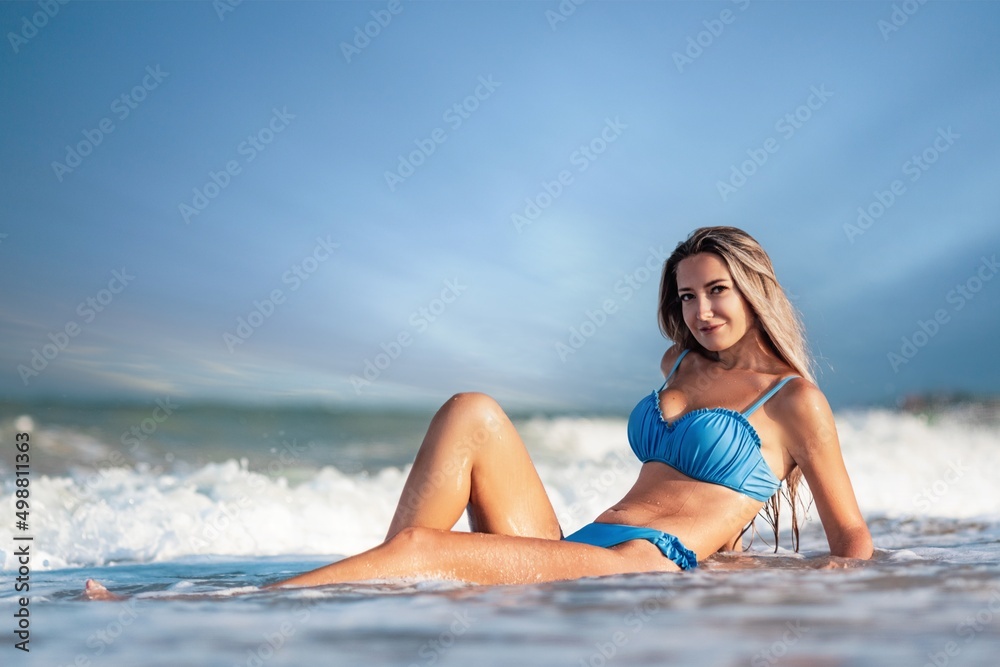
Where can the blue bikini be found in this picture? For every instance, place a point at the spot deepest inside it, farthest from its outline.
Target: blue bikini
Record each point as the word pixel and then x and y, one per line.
pixel 611 534
pixel 714 445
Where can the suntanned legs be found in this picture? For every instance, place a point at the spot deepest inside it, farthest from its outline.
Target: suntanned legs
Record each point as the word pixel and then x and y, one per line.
pixel 484 558
pixel 473 459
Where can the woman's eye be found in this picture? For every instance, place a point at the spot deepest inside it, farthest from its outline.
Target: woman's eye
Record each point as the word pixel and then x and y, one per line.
pixel 686 297
pixel 718 289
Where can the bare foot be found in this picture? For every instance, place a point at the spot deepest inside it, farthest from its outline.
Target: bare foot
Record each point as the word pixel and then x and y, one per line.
pixel 94 590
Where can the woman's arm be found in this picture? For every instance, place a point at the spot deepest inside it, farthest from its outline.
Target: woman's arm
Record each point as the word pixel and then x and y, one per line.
pixel 811 440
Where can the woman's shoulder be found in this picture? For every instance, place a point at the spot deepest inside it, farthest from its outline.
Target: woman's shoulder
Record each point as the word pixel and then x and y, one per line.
pixel 802 408
pixel 800 393
pixel 670 358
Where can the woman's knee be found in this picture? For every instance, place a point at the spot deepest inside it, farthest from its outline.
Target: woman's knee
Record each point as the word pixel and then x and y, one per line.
pixel 482 411
pixel 472 401
pixel 413 539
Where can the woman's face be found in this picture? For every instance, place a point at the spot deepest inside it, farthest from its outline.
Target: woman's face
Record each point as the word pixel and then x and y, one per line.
pixel 714 310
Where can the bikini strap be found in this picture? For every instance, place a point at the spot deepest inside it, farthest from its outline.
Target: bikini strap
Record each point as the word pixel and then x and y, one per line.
pixel 674 369
pixel 774 390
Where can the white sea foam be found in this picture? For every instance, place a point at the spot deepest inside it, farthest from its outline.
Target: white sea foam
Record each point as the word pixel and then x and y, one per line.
pixel 915 478
pixel 904 465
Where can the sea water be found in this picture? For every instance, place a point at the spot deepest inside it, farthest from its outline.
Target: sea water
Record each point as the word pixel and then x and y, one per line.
pixel 190 512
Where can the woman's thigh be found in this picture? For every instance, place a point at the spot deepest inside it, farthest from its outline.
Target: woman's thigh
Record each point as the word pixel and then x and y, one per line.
pixel 472 459
pixel 506 495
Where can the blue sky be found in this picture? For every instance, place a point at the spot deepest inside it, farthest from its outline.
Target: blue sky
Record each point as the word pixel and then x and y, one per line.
pixel 494 108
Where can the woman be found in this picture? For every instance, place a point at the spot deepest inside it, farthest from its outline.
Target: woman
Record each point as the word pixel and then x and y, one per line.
pixel 737 415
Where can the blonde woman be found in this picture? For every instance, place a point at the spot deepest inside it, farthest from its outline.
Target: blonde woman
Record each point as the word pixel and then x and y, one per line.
pixel 738 413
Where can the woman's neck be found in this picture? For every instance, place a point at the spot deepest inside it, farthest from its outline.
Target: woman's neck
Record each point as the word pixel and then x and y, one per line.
pixel 751 352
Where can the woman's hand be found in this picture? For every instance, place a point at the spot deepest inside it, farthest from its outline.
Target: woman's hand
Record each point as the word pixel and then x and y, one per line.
pixel 836 562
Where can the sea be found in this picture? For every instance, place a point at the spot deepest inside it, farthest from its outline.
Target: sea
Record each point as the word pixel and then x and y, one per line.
pixel 189 509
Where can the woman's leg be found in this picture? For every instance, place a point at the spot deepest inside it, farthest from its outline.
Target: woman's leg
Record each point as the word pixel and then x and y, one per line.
pixel 473 459
pixel 483 558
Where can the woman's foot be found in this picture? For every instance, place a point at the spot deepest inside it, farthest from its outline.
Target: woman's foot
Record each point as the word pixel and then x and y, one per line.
pixel 94 590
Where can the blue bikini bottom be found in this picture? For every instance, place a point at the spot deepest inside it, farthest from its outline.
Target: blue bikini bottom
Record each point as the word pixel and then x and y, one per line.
pixel 611 534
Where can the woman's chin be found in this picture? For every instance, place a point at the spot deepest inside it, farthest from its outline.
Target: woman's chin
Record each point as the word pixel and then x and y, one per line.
pixel 713 344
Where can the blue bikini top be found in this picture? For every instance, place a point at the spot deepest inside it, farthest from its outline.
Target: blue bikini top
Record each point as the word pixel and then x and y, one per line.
pixel 714 445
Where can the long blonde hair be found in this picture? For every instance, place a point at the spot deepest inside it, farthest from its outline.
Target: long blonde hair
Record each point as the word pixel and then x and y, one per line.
pixel 754 277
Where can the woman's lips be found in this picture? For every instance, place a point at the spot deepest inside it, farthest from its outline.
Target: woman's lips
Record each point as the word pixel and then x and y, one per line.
pixel 712 329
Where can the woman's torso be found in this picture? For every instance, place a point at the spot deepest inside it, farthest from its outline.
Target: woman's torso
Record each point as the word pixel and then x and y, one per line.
pixel 706 423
